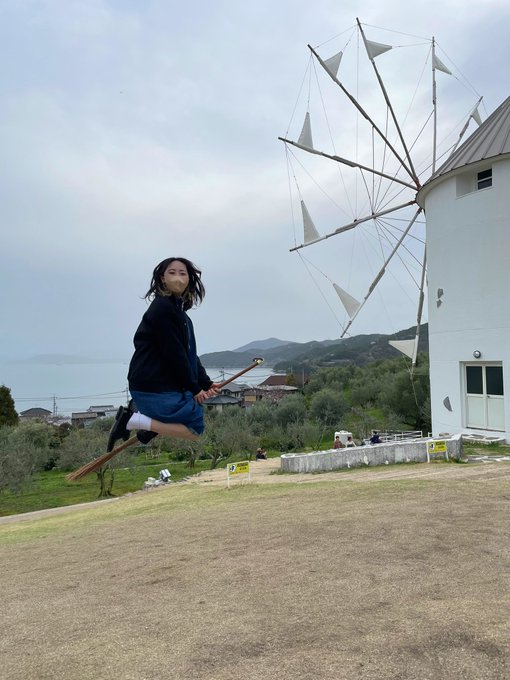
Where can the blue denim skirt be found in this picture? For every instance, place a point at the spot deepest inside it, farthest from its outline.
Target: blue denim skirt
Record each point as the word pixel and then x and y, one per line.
pixel 171 407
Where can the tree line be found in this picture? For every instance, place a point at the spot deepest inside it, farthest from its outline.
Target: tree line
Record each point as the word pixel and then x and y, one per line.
pixel 383 395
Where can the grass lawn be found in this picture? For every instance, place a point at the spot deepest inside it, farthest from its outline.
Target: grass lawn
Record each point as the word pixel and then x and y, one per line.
pixel 492 449
pixel 52 490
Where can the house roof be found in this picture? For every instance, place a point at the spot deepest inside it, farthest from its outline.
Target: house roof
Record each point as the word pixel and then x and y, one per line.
pixel 84 415
pixel 281 379
pixel 223 399
pixel 235 387
pixel 492 139
pixel 35 412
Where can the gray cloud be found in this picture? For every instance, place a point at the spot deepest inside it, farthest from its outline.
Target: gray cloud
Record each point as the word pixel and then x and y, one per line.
pixel 133 131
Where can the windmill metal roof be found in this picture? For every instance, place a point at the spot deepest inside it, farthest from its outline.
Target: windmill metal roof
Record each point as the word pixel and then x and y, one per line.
pixel 491 139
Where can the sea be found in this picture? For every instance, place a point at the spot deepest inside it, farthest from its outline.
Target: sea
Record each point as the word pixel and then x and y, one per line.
pixel 68 388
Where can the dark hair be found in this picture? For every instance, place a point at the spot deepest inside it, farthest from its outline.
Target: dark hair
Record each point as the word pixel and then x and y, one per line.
pixel 195 291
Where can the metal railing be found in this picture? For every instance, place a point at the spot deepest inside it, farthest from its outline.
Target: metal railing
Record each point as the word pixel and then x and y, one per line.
pixel 399 436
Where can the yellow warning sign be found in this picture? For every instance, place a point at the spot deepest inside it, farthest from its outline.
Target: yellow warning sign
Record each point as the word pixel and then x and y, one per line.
pixel 242 468
pixel 436 447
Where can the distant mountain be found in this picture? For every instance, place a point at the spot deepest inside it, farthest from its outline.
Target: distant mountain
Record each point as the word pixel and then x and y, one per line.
pixel 359 350
pixel 239 359
pixel 270 343
pixel 308 356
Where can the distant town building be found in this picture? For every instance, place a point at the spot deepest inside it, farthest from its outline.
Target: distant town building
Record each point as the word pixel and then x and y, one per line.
pixel 103 411
pixel 235 394
pixel 293 379
pixel 83 418
pixel 35 414
pixel 221 401
pixel 234 389
pixel 251 396
pixel 78 419
pixel 59 420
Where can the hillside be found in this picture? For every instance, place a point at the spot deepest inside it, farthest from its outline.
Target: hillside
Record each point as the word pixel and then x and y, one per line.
pixel 270 343
pixel 359 349
pixel 272 355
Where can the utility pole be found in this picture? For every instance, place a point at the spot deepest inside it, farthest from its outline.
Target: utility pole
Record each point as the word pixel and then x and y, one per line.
pixel 54 406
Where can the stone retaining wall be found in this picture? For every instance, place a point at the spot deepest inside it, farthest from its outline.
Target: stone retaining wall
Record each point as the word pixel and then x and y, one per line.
pixel 379 454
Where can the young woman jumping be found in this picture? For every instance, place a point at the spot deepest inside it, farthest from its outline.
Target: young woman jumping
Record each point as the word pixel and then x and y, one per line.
pixel 167 382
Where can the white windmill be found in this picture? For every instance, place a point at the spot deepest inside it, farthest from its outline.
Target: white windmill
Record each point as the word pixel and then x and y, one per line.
pixel 467 203
pixel 398 183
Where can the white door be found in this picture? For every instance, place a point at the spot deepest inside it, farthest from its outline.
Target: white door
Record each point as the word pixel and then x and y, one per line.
pixel 484 396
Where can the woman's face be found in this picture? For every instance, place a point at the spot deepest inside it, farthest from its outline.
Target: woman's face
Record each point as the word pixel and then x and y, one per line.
pixel 175 278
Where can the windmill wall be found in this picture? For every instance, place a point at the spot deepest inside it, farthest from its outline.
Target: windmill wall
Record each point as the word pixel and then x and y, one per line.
pixel 468 254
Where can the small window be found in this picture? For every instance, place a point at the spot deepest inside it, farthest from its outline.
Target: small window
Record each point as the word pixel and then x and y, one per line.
pixel 484 179
pixel 494 377
pixel 474 379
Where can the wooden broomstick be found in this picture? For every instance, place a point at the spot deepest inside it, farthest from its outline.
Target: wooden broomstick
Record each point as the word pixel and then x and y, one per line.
pixel 99 462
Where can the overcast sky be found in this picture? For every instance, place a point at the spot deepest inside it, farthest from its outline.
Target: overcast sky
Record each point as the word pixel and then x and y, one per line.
pixel 131 131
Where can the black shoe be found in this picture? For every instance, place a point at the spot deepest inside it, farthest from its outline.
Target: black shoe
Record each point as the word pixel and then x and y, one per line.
pixel 145 436
pixel 119 430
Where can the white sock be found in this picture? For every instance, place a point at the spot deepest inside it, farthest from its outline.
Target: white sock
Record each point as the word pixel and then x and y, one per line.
pixel 139 422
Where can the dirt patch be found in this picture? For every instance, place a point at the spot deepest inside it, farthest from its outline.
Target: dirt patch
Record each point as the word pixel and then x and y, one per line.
pixel 265 472
pixel 398 574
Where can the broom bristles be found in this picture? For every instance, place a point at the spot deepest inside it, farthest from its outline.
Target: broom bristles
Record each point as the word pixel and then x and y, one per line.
pixel 99 462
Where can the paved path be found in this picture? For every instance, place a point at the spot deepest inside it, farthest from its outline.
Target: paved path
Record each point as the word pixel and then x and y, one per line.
pixel 489 459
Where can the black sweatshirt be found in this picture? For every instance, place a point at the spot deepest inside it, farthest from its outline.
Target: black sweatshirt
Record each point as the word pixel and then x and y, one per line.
pixel 165 358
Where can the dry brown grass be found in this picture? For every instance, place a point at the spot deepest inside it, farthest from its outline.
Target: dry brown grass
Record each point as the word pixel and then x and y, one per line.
pixel 398 573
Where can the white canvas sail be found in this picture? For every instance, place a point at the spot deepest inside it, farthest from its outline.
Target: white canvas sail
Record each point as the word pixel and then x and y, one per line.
pixel 310 231
pixel 333 63
pixel 439 66
pixel 407 347
pixel 351 304
pixel 374 49
pixel 305 138
pixel 476 116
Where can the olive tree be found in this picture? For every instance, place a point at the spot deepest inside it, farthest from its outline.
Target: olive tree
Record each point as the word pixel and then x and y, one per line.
pixel 290 409
pixel 24 450
pixel 82 445
pixel 18 460
pixel 408 396
pixel 328 406
pixel 230 435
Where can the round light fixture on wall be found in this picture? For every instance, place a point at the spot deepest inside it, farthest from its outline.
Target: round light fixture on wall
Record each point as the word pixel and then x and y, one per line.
pixel 477 354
